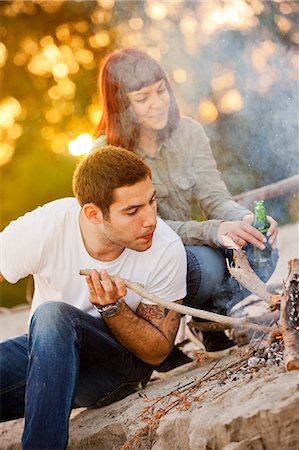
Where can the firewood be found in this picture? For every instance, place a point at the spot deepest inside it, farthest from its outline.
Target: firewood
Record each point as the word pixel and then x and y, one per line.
pixel 274 301
pixel 290 329
pixel 207 326
pixel 289 313
pixel 266 319
pixel 243 272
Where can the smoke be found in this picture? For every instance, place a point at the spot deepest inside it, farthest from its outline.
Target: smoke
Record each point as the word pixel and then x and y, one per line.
pixel 258 144
pixel 255 44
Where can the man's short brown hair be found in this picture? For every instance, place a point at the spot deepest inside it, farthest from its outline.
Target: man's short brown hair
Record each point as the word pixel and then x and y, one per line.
pixel 104 170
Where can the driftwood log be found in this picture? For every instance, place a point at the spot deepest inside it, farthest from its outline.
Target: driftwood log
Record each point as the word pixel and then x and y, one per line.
pixel 287 185
pixel 267 319
pixel 288 302
pixel 243 272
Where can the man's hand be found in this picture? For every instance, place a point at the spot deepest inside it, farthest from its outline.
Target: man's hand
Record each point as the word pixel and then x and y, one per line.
pixel 242 232
pixel 102 290
pixel 149 332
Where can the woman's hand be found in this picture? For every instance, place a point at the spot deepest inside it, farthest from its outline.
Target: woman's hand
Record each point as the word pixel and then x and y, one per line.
pixel 272 231
pixel 242 232
pixel 102 290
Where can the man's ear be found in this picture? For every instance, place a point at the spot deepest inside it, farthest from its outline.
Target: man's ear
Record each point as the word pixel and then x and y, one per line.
pixel 92 213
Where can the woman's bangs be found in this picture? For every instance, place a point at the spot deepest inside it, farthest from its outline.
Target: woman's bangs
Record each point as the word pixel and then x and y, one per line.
pixel 143 73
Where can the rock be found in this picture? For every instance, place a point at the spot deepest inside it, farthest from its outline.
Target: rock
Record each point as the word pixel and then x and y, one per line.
pixel 255 412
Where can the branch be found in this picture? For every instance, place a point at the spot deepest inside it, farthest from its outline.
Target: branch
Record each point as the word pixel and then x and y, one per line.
pixel 182 309
pixel 289 331
pixel 266 319
pixel 243 272
pixel 281 187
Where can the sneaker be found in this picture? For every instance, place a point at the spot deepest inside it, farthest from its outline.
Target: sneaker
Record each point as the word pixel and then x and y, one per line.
pixel 215 341
pixel 175 359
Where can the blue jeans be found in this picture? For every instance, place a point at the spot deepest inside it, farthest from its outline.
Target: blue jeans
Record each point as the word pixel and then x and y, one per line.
pixel 209 285
pixel 68 359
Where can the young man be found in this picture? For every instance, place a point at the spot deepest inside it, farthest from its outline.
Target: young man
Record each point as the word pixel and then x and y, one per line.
pixel 90 342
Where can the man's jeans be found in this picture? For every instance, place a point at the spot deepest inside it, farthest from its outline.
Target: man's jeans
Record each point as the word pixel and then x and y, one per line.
pixel 209 286
pixel 69 359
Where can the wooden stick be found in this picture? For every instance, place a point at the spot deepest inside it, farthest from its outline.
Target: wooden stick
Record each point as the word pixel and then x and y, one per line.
pixel 265 319
pixel 230 322
pixel 289 333
pixel 207 326
pixel 281 187
pixel 243 272
pixel 275 300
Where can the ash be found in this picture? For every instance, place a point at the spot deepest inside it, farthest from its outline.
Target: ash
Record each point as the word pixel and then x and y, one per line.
pixel 260 358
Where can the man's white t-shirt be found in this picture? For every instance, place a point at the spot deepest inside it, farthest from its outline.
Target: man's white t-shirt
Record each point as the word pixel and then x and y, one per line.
pixel 47 243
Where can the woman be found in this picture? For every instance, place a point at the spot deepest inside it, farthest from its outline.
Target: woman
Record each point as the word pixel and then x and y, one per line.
pixel 140 113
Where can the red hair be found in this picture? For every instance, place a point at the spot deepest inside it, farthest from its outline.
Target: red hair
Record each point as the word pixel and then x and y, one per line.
pixel 121 72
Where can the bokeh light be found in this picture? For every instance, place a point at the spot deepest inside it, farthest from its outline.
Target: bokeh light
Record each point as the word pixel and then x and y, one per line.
pixel 156 10
pixel 230 102
pixel 81 145
pixel 180 75
pixel 3 54
pixel 207 111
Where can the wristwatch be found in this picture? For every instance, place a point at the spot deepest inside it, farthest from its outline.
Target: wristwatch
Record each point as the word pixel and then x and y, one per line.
pixel 109 310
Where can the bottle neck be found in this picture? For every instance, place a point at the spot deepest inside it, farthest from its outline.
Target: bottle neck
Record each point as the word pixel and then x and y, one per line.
pixel 260 219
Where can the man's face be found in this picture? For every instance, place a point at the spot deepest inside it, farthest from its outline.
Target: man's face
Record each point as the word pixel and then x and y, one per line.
pixel 132 217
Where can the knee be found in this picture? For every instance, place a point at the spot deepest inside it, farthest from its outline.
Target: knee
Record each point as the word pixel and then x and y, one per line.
pixel 214 270
pixel 206 269
pixel 207 262
pixel 50 309
pixel 53 324
pixel 50 314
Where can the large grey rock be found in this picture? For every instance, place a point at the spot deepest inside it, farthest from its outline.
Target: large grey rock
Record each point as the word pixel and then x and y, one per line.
pixel 261 413
pixel 256 412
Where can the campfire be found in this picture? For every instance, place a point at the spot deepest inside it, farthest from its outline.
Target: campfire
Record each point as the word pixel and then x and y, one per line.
pixel 288 303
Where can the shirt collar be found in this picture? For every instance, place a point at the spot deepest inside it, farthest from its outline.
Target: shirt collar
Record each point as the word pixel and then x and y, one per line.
pixel 143 154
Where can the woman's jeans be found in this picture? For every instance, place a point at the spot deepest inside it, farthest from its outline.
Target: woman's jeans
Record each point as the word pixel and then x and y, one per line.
pixel 209 285
pixel 68 359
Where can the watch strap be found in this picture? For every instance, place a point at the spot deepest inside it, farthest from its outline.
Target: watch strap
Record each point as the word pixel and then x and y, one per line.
pixel 109 310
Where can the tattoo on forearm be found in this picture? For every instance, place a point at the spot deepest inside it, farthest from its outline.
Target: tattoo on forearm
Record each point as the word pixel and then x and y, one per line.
pixel 153 312
pixel 165 320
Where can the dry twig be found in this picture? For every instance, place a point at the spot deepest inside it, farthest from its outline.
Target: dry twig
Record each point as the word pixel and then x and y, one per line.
pixel 180 398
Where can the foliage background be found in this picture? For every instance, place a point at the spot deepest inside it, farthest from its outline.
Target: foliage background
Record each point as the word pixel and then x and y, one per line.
pixel 232 64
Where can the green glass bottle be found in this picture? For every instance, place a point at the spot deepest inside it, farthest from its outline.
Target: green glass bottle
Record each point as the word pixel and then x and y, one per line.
pixel 261 258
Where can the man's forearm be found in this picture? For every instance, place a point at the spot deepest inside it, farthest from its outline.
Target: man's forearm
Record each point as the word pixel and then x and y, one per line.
pixel 139 336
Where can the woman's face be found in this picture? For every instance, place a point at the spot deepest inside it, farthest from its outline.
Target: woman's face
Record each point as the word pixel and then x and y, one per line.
pixel 150 105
